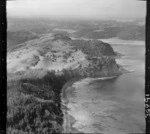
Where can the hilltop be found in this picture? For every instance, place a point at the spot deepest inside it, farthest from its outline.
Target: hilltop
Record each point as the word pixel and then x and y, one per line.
pixel 58 52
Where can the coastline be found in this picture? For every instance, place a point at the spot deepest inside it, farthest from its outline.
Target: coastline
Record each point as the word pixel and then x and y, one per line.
pixel 69 120
pixel 124 70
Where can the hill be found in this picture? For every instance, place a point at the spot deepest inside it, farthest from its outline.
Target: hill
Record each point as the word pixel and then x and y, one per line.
pixel 125 32
pixel 58 52
pixel 38 70
pixel 17 37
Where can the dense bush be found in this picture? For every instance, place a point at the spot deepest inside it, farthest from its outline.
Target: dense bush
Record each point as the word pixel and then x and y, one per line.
pixel 34 103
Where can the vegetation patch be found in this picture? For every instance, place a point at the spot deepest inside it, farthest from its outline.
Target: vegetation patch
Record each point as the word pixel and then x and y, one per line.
pixel 33 104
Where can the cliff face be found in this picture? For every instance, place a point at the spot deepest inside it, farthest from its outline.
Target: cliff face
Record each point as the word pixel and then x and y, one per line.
pixel 91 58
pixel 108 68
pixel 94 47
pixel 104 67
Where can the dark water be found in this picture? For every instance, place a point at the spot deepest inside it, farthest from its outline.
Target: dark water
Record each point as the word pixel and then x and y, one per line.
pixel 112 106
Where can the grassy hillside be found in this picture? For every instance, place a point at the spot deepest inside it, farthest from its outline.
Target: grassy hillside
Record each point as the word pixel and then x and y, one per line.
pixel 55 52
pixel 15 38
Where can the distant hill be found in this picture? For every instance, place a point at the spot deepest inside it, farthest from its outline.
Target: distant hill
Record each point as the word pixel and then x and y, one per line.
pixel 132 33
pixel 15 38
pixel 133 30
pixel 125 32
pixel 95 34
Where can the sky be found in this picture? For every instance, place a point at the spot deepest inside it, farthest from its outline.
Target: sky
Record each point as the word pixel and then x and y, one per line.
pixel 77 8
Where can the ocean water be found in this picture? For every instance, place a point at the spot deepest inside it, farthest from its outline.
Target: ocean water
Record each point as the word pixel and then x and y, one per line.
pixel 114 106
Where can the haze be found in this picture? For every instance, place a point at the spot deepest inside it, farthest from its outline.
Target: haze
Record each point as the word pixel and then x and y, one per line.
pixel 91 9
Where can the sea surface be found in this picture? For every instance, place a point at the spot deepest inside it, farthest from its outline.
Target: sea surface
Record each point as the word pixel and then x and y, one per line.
pixel 113 106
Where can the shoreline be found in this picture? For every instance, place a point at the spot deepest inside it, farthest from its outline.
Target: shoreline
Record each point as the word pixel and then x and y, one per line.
pixel 69 120
pixel 67 127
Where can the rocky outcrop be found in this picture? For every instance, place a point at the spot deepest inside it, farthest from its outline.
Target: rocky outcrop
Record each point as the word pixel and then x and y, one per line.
pixel 94 47
pixel 101 58
pixel 104 67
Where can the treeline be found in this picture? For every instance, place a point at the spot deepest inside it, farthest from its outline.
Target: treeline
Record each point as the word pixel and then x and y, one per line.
pixel 34 102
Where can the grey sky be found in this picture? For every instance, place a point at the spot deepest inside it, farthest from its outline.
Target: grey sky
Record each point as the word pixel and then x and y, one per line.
pixel 77 8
